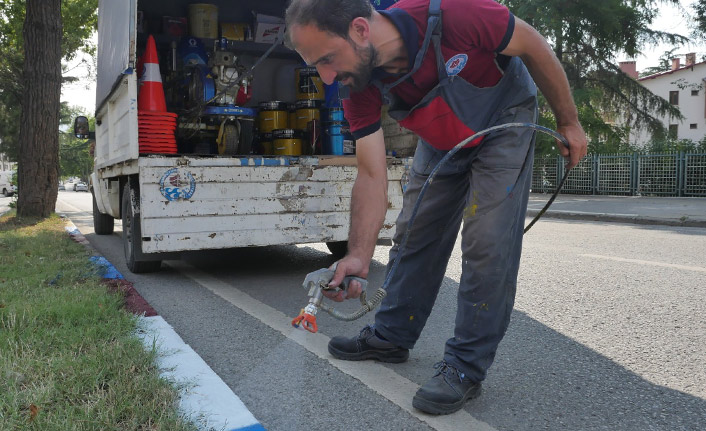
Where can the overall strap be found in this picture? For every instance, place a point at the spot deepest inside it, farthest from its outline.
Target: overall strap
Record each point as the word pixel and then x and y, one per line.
pixel 433 28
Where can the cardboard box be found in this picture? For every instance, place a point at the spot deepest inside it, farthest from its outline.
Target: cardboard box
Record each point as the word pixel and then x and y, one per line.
pixel 268 28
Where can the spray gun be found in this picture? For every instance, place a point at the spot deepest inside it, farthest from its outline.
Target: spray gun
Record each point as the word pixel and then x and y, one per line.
pixel 316 282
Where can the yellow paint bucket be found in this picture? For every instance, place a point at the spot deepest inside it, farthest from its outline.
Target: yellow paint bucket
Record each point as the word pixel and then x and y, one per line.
pixel 309 84
pixel 287 142
pixel 272 116
pixel 307 110
pixel 266 144
pixel 292 116
pixel 203 20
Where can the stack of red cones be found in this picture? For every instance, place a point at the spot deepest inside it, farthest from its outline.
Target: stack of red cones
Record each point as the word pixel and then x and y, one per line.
pixel 156 125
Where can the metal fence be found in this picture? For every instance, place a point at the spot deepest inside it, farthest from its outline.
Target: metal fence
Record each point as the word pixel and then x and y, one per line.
pixel 673 174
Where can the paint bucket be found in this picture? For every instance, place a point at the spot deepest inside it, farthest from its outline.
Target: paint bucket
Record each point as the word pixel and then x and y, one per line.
pixel 292 115
pixel 272 116
pixel 309 84
pixel 203 20
pixel 266 144
pixel 307 110
pixel 287 142
pixel 333 138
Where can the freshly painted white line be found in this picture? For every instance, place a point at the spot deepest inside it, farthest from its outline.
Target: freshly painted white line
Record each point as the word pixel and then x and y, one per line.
pixel 380 379
pixel 585 212
pixel 647 262
pixel 205 399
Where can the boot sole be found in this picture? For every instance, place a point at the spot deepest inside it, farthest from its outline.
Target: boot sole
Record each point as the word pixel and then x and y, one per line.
pixel 444 409
pixel 376 355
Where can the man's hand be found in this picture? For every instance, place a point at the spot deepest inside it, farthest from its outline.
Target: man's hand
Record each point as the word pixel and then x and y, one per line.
pixel 349 265
pixel 577 144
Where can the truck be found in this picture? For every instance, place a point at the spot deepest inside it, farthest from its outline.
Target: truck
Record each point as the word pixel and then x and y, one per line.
pixel 7 183
pixel 219 186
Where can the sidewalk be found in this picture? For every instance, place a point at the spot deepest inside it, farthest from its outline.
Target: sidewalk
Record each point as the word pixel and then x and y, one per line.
pixel 689 212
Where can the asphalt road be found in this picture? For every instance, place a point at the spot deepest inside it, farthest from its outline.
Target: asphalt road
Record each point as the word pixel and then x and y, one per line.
pixel 607 333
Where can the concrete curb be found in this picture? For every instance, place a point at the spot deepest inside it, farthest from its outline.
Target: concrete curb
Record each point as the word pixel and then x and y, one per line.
pixel 205 399
pixel 612 218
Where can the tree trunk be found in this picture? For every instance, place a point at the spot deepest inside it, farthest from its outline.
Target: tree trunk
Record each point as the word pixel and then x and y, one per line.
pixel 39 134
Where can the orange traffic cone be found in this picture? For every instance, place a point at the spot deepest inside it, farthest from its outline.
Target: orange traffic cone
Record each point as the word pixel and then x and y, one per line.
pixel 151 96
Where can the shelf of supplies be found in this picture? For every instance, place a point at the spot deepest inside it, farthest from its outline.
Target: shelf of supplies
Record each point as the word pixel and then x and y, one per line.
pixel 241 47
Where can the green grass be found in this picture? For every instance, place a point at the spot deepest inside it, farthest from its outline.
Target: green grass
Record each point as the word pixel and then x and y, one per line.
pixel 69 359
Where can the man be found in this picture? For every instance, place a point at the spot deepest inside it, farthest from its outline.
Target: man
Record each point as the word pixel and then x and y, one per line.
pixel 447 69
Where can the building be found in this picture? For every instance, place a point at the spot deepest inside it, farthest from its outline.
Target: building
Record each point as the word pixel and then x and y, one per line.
pixel 6 164
pixel 684 86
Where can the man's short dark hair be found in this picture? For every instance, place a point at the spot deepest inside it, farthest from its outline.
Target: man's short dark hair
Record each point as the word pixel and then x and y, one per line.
pixel 332 16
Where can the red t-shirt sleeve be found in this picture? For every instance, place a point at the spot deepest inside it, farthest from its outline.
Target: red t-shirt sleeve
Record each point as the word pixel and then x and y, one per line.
pixel 484 24
pixel 362 110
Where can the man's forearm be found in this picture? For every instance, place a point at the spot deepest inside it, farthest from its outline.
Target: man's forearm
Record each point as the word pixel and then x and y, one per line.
pixel 550 77
pixel 368 209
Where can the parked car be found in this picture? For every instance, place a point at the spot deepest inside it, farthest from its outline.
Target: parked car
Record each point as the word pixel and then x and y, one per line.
pixel 61 187
pixel 81 187
pixel 7 185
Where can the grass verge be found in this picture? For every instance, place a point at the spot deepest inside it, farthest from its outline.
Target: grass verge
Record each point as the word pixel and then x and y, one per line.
pixel 68 356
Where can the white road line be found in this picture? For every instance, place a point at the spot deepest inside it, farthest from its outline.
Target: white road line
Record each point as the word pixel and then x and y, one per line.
pixel 647 262
pixel 380 379
pixel 63 202
pixel 584 212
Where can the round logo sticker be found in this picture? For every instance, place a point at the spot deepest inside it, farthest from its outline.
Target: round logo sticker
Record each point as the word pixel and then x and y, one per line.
pixel 177 184
pixel 456 64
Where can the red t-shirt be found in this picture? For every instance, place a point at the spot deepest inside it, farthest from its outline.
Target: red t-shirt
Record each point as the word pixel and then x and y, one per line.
pixel 473 32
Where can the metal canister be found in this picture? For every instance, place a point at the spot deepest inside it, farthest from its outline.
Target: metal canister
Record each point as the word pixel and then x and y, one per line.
pixel 273 115
pixel 333 115
pixel 266 144
pixel 292 115
pixel 309 84
pixel 287 142
pixel 333 138
pixel 307 110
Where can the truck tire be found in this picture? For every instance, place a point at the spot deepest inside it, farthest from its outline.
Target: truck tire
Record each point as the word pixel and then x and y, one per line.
pixel 103 224
pixel 247 134
pixel 5 193
pixel 338 248
pixel 132 234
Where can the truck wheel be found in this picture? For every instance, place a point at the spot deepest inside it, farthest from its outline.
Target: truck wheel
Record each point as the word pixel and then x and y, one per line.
pixel 230 140
pixel 5 192
pixel 338 248
pixel 246 136
pixel 132 234
pixel 103 224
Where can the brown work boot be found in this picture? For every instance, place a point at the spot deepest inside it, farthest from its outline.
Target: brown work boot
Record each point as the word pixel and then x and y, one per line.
pixel 446 392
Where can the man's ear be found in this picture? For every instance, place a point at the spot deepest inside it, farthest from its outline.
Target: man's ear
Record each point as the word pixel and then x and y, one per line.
pixel 359 30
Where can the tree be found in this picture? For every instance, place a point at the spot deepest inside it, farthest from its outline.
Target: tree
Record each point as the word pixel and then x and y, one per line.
pixel 586 36
pixel 31 78
pixel 39 143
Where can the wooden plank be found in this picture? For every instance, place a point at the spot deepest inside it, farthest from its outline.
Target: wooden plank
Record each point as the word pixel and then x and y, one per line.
pixel 251 206
pixel 316 223
pixel 229 191
pixel 231 239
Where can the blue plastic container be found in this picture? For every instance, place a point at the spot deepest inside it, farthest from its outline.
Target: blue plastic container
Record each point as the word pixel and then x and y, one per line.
pixel 333 138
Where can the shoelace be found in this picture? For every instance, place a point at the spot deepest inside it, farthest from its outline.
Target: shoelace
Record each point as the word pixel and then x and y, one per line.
pixel 366 331
pixel 447 370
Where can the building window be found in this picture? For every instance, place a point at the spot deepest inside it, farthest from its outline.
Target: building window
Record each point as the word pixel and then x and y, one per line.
pixel 673 131
pixel 692 126
pixel 694 92
pixel 674 97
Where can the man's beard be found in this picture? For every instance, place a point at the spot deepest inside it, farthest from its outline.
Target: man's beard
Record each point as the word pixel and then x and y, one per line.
pixel 360 78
